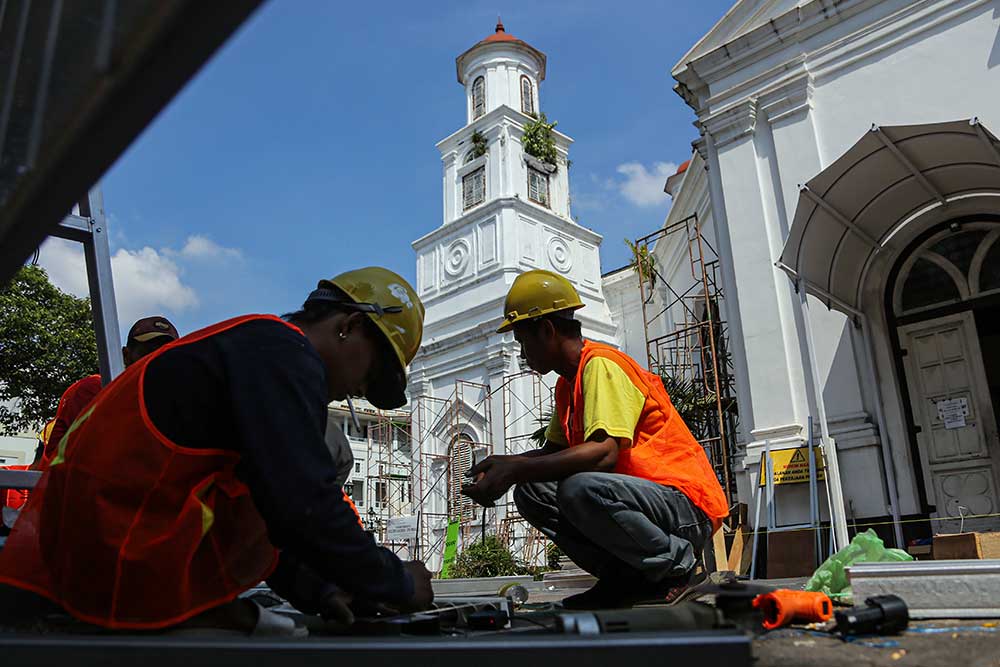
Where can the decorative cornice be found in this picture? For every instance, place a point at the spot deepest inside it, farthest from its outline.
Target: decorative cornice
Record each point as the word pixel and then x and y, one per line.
pixel 890 24
pixel 534 211
pixel 731 124
pixel 787 99
pixel 790 27
pixel 701 147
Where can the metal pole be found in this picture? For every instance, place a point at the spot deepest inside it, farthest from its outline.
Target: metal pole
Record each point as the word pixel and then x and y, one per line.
pixel 883 436
pixel 838 519
pixel 772 519
pixel 642 302
pixel 97 252
pixel 756 522
pixel 814 495
pixel 716 366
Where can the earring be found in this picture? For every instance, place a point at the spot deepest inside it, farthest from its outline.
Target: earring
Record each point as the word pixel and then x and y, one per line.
pixel 343 336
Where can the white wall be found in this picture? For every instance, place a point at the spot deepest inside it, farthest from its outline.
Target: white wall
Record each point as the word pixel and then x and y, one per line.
pixel 779 105
pixel 17 450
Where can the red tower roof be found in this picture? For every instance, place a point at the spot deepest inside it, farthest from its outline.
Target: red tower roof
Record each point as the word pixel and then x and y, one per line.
pixel 501 36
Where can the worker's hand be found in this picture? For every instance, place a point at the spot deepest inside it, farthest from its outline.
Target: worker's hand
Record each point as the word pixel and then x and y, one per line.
pixel 493 477
pixel 423 594
pixel 335 606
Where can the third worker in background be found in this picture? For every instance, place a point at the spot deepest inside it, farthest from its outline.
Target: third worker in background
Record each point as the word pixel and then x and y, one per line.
pixel 621 485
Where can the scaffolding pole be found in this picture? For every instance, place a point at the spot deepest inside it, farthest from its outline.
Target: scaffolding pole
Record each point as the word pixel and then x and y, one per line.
pixel 694 349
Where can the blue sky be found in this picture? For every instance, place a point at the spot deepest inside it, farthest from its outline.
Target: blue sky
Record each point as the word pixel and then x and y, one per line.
pixel 306 147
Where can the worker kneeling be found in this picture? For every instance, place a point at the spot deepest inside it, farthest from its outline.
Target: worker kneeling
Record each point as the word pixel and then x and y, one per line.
pixel 621 485
pixel 174 490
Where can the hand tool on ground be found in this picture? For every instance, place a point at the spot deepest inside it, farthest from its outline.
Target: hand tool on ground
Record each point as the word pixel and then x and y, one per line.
pixel 880 615
pixel 784 607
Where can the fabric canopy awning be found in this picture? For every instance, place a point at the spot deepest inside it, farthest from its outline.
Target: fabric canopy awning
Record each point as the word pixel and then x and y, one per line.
pixel 850 210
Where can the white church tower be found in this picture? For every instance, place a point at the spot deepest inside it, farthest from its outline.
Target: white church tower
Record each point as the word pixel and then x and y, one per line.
pixel 505 212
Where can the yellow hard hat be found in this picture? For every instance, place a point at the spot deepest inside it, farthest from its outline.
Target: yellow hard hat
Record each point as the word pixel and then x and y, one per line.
pixel 46 431
pixel 393 305
pixel 535 294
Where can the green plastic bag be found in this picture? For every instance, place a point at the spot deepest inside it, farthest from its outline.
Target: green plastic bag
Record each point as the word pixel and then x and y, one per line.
pixel 866 547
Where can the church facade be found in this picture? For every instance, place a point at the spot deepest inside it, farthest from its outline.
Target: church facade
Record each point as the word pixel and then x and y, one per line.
pixel 851 159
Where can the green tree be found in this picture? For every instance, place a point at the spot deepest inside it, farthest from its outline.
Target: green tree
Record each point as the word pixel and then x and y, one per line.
pixel 46 343
pixel 643 262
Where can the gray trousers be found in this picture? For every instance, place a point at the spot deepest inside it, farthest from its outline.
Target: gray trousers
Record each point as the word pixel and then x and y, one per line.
pixel 602 520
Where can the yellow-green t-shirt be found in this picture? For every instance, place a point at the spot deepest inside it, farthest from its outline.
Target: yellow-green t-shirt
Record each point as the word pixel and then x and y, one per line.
pixel 610 403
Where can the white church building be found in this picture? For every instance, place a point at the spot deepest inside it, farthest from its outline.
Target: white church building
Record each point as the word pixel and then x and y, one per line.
pixel 849 159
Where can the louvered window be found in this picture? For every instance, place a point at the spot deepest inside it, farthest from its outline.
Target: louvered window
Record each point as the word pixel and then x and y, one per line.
pixel 474 188
pixel 538 187
pixel 478 97
pixel 527 97
pixel 459 461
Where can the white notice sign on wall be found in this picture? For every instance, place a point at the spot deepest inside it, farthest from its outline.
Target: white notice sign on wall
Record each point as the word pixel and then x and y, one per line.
pixel 953 412
pixel 401 529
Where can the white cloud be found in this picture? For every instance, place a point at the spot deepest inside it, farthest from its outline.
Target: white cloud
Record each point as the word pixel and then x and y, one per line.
pixel 146 281
pixel 63 260
pixel 200 247
pixel 643 187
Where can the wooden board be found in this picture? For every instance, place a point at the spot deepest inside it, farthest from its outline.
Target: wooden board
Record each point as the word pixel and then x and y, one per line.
pixel 736 552
pixel 719 547
pixel 965 546
pixel 791 554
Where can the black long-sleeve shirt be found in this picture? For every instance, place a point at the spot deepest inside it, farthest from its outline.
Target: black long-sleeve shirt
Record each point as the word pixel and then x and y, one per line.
pixel 260 389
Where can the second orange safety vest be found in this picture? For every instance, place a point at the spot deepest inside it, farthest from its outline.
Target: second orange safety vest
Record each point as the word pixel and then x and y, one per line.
pixel 663 449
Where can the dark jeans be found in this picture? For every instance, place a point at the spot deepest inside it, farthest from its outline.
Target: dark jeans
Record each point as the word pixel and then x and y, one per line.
pixel 603 520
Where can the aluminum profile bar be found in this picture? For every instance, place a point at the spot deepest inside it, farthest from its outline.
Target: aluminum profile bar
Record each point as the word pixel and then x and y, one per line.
pixel 933 588
pixel 716 647
pixel 19 479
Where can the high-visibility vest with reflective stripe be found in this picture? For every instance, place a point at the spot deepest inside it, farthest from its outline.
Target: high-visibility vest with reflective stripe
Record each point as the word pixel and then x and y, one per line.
pixel 130 530
pixel 14 498
pixel 663 449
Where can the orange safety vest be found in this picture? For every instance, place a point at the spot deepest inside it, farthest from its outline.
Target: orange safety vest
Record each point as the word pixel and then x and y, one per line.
pixel 130 530
pixel 14 498
pixel 663 449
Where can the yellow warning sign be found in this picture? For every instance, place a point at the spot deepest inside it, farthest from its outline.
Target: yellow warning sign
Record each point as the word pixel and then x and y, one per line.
pixel 791 466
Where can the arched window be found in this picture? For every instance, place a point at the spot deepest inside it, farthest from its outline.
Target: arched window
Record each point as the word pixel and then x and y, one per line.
pixel 459 461
pixel 478 97
pixel 951 266
pixel 527 97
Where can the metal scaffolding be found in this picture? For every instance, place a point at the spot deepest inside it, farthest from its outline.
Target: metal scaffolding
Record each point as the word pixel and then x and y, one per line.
pixel 442 452
pixel 525 542
pixel 443 448
pixel 388 472
pixel 691 353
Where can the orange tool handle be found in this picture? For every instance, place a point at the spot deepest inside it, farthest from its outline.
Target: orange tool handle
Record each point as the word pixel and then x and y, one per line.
pixel 785 607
